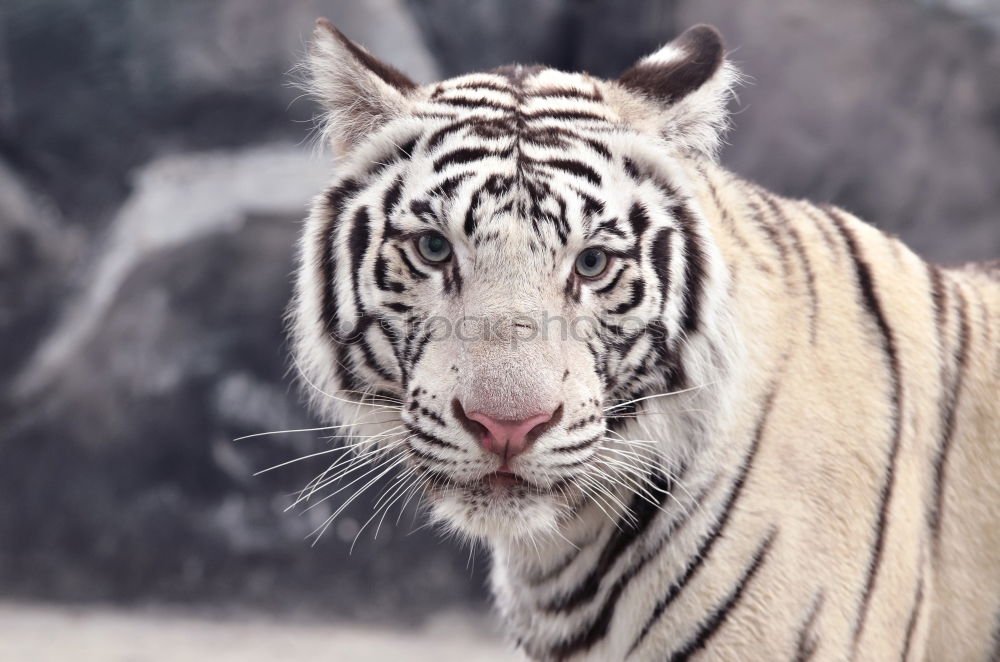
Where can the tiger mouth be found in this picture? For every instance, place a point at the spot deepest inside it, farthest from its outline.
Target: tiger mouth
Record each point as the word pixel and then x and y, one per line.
pixel 504 480
pixel 495 483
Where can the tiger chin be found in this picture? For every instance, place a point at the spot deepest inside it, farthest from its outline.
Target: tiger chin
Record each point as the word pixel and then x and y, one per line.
pixel 691 418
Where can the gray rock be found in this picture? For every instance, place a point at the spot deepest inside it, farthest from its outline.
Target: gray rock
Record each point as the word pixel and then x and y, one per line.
pixel 131 488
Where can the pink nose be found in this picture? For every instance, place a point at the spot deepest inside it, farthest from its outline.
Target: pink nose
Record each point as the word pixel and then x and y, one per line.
pixel 509 438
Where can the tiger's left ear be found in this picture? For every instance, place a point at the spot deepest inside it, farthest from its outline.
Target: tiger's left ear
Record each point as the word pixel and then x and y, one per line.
pixel 686 85
pixel 359 92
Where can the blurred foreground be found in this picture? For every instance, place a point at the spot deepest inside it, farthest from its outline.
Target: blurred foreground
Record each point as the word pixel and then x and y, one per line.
pixel 57 634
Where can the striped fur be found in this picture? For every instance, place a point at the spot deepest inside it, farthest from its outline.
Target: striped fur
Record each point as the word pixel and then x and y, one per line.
pixel 779 438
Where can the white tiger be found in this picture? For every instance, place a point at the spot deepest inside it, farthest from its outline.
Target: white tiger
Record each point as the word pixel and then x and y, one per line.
pixel 692 419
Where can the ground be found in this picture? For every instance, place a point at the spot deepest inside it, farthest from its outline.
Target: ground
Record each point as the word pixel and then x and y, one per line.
pixel 43 633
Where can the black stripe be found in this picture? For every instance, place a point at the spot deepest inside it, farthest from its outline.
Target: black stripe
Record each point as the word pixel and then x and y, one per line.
pixel 820 224
pixel 866 286
pixel 429 438
pixel 481 85
pixel 427 413
pixel 367 352
pixel 638 219
pixel 398 307
pixel 939 301
pixel 453 127
pixel 357 246
pixel 412 268
pixel 551 573
pixel 757 214
pixel 423 210
pixel 951 398
pixel 629 528
pixel 632 169
pixel 418 351
pixel 469 227
pixel 660 256
pixel 391 198
pixel 453 278
pixel 466 155
pixel 589 635
pixel 715 620
pixel 573 167
pixel 694 270
pixel 668 357
pixel 614 282
pixel 468 102
pixel 591 205
pixel 911 625
pixel 428 457
pixel 563 115
pixel 598 147
pixel 708 542
pixel 566 93
pixel 336 200
pixel 733 228
pixel 807 641
pixel 800 251
pixel 447 187
pixel 578 446
pixel 382 280
pixel 583 422
pixel 638 291
pixel 995 655
pixel 610 226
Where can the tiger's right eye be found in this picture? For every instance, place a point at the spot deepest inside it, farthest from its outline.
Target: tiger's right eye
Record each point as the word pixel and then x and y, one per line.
pixel 591 263
pixel 433 248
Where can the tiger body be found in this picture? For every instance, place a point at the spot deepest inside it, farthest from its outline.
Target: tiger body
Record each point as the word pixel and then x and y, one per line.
pixel 854 518
pixel 779 441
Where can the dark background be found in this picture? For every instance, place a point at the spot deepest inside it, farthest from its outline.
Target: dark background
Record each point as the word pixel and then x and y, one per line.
pixel 155 162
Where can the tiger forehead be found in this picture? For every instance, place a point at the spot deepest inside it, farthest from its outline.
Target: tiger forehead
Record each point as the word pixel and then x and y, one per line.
pixel 533 140
pixel 520 86
pixel 523 96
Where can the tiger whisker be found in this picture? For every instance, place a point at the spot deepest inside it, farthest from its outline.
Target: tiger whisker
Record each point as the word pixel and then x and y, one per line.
pixel 319 531
pixel 587 478
pixel 338 449
pixel 657 395
pixel 638 414
pixel 340 476
pixel 378 507
pixel 309 382
pixel 355 463
pixel 317 429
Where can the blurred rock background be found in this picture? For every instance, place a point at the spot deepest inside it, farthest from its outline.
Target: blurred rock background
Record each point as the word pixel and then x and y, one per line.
pixel 156 160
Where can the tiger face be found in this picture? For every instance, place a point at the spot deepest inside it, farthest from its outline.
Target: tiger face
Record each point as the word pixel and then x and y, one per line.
pixel 510 269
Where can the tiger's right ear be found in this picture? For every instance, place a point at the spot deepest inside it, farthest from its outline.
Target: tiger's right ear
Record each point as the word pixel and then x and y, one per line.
pixel 359 92
pixel 689 83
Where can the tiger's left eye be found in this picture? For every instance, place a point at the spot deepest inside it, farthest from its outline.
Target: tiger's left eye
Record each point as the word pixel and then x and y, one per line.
pixel 591 262
pixel 433 247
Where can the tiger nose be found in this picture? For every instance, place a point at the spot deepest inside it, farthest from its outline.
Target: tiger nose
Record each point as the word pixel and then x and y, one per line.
pixel 508 438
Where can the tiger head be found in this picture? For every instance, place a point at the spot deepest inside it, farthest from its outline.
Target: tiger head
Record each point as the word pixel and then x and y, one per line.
pixel 508 294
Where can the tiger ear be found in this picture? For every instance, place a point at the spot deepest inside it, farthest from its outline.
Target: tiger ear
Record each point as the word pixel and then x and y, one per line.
pixel 359 92
pixel 689 82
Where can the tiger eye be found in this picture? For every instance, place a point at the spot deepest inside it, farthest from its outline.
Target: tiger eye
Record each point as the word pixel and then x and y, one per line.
pixel 433 247
pixel 591 262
